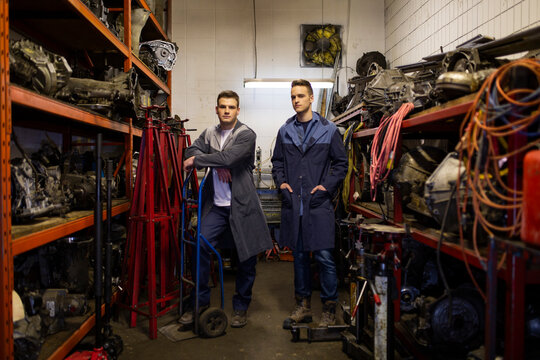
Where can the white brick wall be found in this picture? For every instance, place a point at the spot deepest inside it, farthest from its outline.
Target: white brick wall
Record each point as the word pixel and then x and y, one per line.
pixel 418 28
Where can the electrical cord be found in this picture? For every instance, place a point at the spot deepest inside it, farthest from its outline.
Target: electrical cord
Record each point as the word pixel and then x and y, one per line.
pixel 498 113
pixel 384 146
pixel 347 141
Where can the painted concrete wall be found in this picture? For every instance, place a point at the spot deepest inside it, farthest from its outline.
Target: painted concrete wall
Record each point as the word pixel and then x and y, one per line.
pixel 216 40
pixel 418 28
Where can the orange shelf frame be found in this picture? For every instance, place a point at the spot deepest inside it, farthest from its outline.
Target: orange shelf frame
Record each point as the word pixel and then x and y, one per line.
pixel 64 349
pixel 90 17
pixel 142 67
pixel 40 238
pixel 153 20
pixel 43 103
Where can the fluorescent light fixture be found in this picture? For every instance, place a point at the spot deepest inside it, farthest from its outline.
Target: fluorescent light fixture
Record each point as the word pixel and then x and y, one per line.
pixel 286 83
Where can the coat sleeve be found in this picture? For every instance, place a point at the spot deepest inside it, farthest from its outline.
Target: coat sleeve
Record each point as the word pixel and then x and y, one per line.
pixel 199 146
pixel 234 155
pixel 278 162
pixel 338 164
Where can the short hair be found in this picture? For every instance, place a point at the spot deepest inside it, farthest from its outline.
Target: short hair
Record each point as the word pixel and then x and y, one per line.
pixel 302 82
pixel 230 95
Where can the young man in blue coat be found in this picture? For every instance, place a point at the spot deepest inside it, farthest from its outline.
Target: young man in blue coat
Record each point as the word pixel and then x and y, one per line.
pixel 309 164
pixel 230 203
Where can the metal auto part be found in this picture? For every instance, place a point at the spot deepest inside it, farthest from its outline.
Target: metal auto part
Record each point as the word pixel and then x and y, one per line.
pixel 163 52
pixel 109 98
pixel 413 170
pixel 28 200
pixel 101 12
pixel 439 191
pixel 36 68
pixel 138 20
pixel 454 84
pixel 457 320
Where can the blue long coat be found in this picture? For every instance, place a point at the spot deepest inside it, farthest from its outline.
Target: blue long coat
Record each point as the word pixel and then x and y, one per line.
pixel 320 160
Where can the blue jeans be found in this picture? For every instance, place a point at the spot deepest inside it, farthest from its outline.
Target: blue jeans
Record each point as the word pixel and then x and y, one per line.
pixel 213 227
pixel 302 272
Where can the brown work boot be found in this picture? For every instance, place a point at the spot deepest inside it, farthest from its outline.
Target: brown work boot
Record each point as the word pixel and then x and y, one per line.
pixel 300 314
pixel 328 316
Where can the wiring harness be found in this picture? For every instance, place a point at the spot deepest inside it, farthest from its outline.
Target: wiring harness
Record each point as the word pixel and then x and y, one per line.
pixel 384 146
pixel 500 126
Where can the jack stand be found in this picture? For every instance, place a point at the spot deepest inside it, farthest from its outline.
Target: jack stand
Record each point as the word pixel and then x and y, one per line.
pixel 154 218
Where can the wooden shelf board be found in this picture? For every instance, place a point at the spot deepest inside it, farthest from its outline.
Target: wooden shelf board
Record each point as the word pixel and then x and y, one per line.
pixel 45 230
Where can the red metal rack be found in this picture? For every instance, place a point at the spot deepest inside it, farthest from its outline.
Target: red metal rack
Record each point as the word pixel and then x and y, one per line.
pixel 514 273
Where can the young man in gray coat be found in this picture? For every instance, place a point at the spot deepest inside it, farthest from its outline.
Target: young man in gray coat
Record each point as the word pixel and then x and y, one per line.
pixel 229 202
pixel 308 165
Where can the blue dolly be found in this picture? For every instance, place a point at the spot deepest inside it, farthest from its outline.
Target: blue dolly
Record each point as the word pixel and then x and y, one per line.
pixel 213 321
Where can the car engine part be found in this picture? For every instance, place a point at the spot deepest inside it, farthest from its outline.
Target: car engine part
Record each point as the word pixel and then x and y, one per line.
pixel 410 175
pixel 163 52
pixel 139 17
pixel 35 68
pixel 454 84
pixel 113 99
pixel 438 191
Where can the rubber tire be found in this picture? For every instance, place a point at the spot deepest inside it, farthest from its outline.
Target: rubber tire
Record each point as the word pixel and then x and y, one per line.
pixel 363 63
pixel 213 322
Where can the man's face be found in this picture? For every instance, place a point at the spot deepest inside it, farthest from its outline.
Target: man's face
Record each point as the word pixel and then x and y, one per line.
pixel 301 99
pixel 227 111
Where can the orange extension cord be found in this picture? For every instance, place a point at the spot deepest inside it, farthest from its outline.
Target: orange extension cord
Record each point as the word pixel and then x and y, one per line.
pixel 384 146
pixel 479 125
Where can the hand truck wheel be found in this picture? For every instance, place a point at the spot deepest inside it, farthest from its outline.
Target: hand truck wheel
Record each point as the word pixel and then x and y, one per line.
pixel 213 322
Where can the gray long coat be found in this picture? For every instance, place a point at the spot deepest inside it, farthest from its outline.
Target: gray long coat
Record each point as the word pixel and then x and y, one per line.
pixel 247 220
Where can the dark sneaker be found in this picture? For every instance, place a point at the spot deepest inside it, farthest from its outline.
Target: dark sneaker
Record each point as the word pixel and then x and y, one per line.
pixel 239 318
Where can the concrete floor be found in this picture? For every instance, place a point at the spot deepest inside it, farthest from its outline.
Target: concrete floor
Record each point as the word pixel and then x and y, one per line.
pixel 262 338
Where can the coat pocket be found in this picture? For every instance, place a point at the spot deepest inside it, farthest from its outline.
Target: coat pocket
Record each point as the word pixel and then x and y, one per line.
pixel 319 198
pixel 286 198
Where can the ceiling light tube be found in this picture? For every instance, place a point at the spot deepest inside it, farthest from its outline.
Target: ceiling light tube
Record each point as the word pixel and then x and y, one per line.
pixel 286 83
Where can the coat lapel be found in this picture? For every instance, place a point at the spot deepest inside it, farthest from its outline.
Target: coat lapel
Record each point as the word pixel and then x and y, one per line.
pixel 317 131
pixel 293 135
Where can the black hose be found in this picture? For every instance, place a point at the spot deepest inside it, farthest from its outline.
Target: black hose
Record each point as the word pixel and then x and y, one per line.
pixel 98 218
pixel 108 249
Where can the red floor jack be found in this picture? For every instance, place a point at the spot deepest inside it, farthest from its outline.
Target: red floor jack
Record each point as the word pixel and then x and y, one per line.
pixel 107 345
pixel 213 321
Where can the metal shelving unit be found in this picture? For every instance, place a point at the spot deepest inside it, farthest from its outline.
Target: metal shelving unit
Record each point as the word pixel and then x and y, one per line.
pixel 62 26
pixel 514 273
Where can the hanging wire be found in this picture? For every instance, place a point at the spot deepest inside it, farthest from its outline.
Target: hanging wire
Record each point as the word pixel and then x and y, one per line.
pixel 498 113
pixel 255 37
